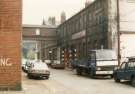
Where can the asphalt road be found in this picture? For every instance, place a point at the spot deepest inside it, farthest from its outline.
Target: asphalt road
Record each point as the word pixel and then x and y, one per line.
pixel 66 82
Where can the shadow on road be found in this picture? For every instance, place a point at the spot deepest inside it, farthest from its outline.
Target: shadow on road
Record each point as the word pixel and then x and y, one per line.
pixel 95 77
pixel 127 83
pixel 37 78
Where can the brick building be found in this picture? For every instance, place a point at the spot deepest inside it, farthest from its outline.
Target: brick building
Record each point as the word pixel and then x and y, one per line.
pixel 44 37
pixel 10 44
pixel 97 26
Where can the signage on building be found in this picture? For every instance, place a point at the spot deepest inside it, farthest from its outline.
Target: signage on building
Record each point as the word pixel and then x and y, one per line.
pixel 79 35
pixel 5 62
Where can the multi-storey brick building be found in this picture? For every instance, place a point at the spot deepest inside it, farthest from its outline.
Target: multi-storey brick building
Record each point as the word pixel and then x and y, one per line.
pixel 96 26
pixel 10 44
pixel 44 37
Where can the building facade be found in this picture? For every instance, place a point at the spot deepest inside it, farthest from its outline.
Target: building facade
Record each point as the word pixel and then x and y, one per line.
pixel 44 38
pixel 99 25
pixel 10 44
pixel 88 29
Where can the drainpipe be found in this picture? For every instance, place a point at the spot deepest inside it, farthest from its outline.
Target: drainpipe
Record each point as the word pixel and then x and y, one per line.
pixel 118 32
pixel 86 35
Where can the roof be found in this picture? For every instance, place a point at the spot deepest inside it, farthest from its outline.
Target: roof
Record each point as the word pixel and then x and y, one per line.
pixel 82 10
pixel 39 26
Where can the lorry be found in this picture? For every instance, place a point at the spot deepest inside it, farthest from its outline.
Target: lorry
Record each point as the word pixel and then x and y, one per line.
pixel 98 62
pixel 126 71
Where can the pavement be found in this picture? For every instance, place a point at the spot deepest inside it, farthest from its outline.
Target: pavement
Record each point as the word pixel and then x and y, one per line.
pixel 67 82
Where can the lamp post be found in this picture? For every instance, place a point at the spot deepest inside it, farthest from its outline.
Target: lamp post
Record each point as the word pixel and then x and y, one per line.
pixel 36 52
pixel 50 55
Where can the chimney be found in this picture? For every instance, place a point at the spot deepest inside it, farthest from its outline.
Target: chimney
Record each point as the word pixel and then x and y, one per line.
pixel 63 17
pixel 52 20
pixel 88 2
pixel 43 23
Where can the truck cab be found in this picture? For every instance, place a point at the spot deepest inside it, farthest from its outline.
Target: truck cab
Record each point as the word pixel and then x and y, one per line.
pixel 102 62
pixel 99 62
pixel 126 71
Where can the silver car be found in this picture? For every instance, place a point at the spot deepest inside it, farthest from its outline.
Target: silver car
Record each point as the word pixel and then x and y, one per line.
pixel 38 69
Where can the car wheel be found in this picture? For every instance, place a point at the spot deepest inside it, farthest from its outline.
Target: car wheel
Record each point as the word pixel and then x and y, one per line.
pixel 79 72
pixel 111 76
pixel 47 77
pixel 116 79
pixel 23 69
pixel 29 76
pixel 91 74
pixel 133 81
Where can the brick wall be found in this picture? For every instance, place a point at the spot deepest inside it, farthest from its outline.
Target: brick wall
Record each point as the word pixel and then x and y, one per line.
pixel 10 40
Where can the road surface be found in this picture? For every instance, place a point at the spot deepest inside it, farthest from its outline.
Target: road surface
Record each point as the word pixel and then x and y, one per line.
pixel 67 82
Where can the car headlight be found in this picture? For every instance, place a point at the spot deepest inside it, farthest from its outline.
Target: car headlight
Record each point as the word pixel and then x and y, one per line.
pixel 116 68
pixel 47 71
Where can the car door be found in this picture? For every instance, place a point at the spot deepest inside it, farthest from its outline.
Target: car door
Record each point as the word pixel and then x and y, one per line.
pixel 130 70
pixel 122 70
pixel 92 59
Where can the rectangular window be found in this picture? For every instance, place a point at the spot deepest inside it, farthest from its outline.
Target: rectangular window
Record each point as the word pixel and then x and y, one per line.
pixel 131 1
pixel 37 31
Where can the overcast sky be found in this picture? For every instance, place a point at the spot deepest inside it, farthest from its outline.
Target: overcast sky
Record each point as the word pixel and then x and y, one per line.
pixel 35 10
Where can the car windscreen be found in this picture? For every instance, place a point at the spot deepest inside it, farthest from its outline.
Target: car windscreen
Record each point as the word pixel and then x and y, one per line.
pixel 40 66
pixel 131 65
pixel 106 55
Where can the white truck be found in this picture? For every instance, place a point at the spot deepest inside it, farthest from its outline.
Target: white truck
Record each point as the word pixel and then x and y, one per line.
pixel 99 62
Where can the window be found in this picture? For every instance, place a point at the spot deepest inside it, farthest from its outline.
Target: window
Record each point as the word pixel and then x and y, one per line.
pixel 131 1
pixel 37 31
pixel 93 55
pixel 81 23
pixel 123 66
pixel 85 20
pixel 90 17
pixel 131 65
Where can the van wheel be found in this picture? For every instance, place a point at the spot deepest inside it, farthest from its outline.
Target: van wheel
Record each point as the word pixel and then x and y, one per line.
pixel 116 79
pixel 79 72
pixel 111 76
pixel 133 81
pixel 92 74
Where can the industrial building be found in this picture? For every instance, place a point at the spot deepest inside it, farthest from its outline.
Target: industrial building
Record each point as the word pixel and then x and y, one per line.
pixel 99 25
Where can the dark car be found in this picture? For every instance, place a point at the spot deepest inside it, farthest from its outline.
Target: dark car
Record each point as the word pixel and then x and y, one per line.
pixel 57 64
pixel 126 71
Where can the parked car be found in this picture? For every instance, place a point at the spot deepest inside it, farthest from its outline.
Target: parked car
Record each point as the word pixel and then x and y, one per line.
pixel 38 69
pixel 23 64
pixel 57 65
pixel 48 62
pixel 27 65
pixel 126 71
pixel 99 62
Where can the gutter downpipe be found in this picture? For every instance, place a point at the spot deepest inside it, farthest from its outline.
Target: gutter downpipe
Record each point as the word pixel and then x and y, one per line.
pixel 118 32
